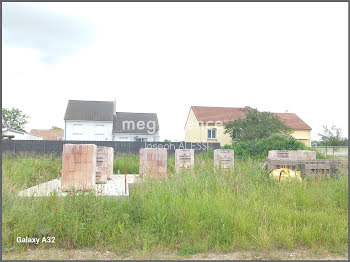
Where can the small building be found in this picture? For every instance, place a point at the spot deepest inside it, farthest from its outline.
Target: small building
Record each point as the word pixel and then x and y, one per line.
pixel 207 124
pixel 19 135
pixel 48 134
pixel 99 121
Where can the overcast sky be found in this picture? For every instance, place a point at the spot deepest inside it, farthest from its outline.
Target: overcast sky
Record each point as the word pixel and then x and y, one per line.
pixel 166 57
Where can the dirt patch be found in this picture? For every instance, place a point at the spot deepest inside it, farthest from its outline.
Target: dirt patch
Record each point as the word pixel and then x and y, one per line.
pixel 90 254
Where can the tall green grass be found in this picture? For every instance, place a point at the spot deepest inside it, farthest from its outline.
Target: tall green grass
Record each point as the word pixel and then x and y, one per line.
pixel 201 210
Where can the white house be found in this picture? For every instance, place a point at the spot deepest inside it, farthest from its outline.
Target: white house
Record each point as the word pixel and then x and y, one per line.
pixel 19 135
pixel 99 121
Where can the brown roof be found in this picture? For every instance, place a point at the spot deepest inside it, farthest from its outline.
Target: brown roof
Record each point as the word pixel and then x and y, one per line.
pixel 48 134
pixel 226 114
pixel 293 121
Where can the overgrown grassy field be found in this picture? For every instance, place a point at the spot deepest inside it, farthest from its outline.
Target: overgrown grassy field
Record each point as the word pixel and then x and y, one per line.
pixel 189 212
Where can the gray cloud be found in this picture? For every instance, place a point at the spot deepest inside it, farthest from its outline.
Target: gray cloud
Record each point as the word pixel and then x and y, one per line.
pixel 54 34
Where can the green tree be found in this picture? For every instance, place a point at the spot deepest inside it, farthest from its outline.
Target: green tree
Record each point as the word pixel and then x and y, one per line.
pixel 332 137
pixel 255 126
pixel 14 118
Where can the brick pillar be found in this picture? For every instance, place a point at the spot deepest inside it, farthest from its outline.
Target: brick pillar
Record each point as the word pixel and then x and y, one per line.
pixel 78 167
pixel 153 162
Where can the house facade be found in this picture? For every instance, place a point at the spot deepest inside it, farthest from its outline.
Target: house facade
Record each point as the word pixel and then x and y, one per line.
pixel 207 124
pixel 135 127
pixel 19 135
pixel 99 121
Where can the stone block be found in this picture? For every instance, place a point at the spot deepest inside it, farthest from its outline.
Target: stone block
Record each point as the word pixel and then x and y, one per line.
pixel 224 158
pixel 67 148
pixel 184 158
pixel 84 149
pixel 153 162
pixel 83 157
pixel 101 175
pixel 77 158
pixel 78 174
pixel 292 154
pixel 110 162
pixel 102 165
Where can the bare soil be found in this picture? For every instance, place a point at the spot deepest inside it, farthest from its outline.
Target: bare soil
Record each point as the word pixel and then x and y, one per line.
pixel 90 254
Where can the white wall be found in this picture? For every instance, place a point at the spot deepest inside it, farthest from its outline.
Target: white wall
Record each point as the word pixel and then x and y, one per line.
pixel 131 137
pixel 88 130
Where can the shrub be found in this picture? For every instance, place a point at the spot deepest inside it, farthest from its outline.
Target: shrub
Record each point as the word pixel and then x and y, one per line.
pixel 259 149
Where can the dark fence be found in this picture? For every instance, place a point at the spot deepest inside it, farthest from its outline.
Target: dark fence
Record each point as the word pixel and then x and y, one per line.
pixel 120 147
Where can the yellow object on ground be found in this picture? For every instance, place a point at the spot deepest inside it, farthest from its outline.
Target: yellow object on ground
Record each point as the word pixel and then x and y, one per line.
pixel 285 174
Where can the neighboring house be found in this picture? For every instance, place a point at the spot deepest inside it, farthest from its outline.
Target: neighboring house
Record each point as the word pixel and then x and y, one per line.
pixel 135 127
pixel 99 121
pixel 19 135
pixel 48 134
pixel 207 124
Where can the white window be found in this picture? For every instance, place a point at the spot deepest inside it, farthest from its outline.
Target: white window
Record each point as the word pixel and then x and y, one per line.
pixel 100 130
pixel 211 133
pixel 78 129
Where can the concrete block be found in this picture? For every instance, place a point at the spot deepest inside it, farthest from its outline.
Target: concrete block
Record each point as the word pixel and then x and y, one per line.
pixel 292 154
pixel 224 158
pixel 184 158
pixel 153 162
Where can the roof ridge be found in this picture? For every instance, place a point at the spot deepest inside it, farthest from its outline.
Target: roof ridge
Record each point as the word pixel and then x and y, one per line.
pixel 90 100
pixel 136 112
pixel 220 107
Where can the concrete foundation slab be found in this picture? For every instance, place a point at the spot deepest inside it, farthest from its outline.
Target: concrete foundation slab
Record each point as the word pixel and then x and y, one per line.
pixel 114 187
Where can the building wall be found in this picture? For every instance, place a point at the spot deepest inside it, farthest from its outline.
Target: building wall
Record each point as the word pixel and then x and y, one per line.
pixel 303 136
pixel 88 130
pixel 198 132
pixel 131 137
pixel 192 131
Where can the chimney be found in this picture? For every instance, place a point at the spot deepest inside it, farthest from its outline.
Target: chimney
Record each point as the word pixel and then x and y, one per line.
pixel 114 106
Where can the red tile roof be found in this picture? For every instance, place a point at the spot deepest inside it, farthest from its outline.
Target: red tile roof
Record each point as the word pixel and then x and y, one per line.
pixel 48 134
pixel 293 121
pixel 226 114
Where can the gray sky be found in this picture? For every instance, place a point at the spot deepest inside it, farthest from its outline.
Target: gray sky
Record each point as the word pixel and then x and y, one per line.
pixel 166 57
